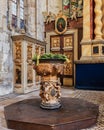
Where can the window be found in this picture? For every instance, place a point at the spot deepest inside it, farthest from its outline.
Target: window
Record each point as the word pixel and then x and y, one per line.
pixel 14 13
pixel 18 14
pixel 21 14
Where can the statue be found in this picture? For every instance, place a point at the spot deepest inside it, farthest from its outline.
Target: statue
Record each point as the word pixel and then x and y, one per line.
pixel 73 13
pixel 48 17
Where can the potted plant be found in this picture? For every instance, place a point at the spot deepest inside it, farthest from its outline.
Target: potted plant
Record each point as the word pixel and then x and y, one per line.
pixel 49 66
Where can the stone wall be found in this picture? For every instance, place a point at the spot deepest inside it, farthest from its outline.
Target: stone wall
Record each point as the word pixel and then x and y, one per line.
pixel 35 28
pixel 45 5
pixel 6 63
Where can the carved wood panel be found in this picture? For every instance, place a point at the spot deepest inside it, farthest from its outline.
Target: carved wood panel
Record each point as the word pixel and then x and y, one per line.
pixel 64 44
pixel 29 52
pixel 18 74
pixel 29 74
pixel 68 41
pixel 17 52
pixel 68 69
pixel 17 60
pixel 55 43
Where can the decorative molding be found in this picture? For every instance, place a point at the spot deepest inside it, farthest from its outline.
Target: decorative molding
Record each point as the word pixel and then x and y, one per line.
pixel 87 42
pixel 91 60
pixel 28 38
pixel 96 41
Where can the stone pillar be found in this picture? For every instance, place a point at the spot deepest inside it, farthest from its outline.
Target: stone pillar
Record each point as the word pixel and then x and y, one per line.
pixel 103 18
pixel 97 43
pixel 86 20
pixel 98 17
pixel 31 18
pixel 86 41
pixel 92 51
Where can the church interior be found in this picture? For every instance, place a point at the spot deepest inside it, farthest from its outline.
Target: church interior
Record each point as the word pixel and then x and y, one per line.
pixel 74 28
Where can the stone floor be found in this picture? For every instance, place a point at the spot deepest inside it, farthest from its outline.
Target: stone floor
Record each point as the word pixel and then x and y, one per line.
pixel 96 97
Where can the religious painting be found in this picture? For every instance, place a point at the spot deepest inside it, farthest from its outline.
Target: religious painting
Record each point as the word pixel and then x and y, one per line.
pixel 73 9
pixel 66 7
pixel 61 24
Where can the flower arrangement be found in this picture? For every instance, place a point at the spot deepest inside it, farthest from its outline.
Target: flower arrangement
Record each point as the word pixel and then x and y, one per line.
pixel 49 56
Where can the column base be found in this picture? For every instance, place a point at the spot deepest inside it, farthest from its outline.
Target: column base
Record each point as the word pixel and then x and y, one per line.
pixel 50 106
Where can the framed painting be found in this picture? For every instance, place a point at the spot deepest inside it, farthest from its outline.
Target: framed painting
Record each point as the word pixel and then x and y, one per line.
pixel 72 8
pixel 61 24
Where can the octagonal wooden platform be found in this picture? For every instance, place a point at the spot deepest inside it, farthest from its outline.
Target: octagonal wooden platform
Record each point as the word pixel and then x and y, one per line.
pixel 74 114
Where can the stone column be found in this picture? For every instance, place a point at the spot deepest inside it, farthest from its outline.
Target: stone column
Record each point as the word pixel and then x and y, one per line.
pixel 98 17
pixel 86 20
pixel 87 33
pixel 31 18
pixel 103 18
pixel 98 42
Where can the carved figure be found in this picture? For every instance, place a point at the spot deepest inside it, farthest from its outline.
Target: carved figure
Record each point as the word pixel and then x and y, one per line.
pixel 74 13
pixel 60 13
pixel 48 17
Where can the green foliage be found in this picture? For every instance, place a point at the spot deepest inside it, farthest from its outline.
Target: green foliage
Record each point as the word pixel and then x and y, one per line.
pixel 53 56
pixel 49 56
pixel 34 57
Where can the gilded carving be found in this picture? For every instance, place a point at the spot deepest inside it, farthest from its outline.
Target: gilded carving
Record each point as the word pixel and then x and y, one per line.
pixel 29 74
pixel 29 52
pixel 55 42
pixel 18 74
pixel 50 87
pixel 68 41
pixel 68 66
pixel 18 53
pixel 49 92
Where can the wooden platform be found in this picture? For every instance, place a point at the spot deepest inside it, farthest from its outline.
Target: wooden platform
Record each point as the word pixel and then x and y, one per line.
pixel 74 114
